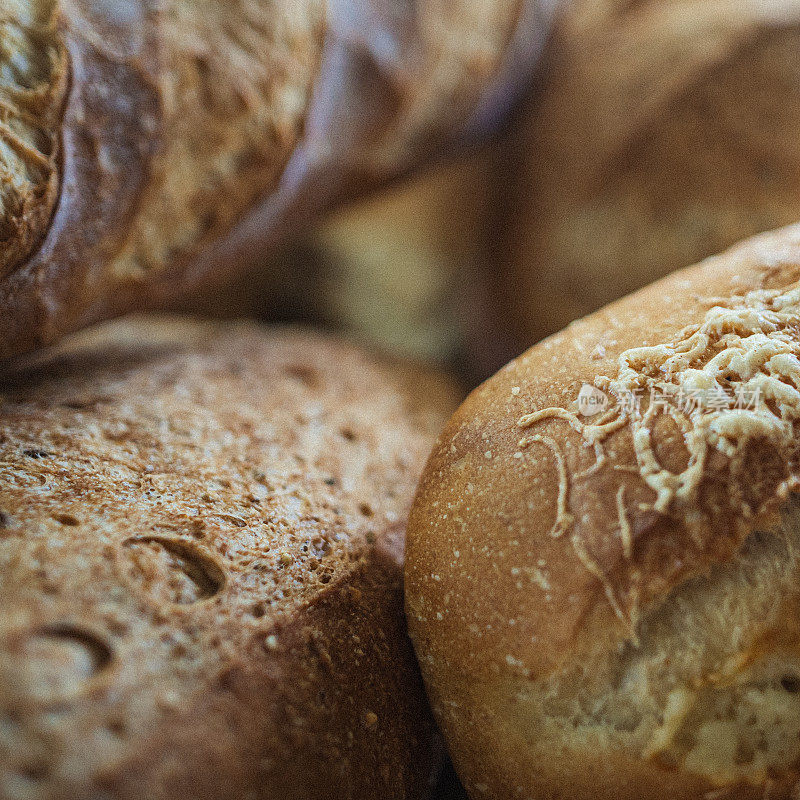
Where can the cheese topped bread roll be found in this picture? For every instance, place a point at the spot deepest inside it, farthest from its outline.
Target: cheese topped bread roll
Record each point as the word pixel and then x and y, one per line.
pixel 603 563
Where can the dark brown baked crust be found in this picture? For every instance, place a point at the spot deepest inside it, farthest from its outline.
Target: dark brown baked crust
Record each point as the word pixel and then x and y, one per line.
pixel 540 536
pixel 193 135
pixel 201 538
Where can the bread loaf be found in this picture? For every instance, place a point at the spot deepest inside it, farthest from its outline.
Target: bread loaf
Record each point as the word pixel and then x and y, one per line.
pixel 201 536
pixel 664 132
pixel 603 562
pixel 148 145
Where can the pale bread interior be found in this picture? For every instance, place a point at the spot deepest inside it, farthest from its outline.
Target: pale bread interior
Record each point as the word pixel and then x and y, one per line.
pixel 713 685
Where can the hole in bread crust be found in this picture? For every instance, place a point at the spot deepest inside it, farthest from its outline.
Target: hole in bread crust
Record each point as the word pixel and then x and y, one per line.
pixel 35 453
pixel 258 610
pixel 69 520
pixel 174 570
pixel 790 683
pixel 303 373
pixel 59 660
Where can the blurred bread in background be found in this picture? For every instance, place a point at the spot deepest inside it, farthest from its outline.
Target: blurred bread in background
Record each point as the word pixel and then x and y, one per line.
pixel 663 131
pixel 389 267
pixel 394 271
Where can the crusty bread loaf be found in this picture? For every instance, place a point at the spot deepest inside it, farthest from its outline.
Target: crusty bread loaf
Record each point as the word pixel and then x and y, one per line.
pixel 201 535
pixel 664 132
pixel 603 561
pixel 136 134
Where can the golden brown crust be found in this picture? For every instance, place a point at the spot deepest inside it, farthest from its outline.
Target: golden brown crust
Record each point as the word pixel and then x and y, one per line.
pixel 234 85
pixel 195 134
pixel 538 532
pixel 33 80
pixel 201 536
pixel 664 133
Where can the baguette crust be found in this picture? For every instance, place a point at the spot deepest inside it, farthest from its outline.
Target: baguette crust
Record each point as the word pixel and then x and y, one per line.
pixel 194 134
pixel 201 536
pixel 33 65
pixel 544 541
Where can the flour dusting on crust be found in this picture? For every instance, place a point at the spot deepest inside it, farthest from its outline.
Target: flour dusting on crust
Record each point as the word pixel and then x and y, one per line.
pixel 725 383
